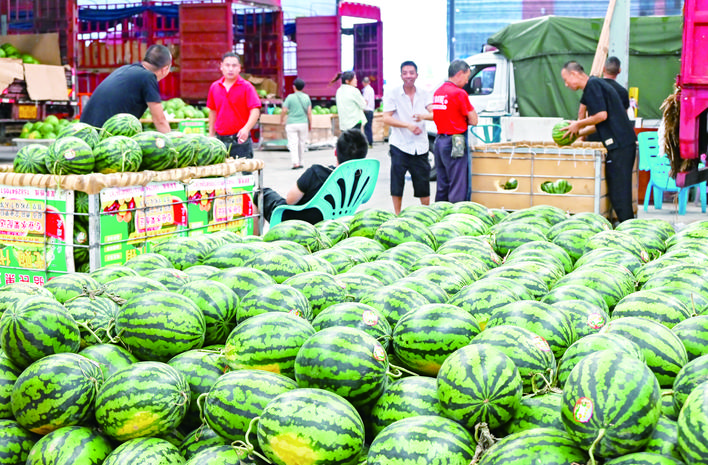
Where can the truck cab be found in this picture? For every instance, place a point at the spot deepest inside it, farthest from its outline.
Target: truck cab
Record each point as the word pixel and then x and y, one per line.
pixel 491 85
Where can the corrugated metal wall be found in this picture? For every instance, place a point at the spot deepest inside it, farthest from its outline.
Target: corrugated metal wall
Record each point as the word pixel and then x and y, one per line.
pixel 476 20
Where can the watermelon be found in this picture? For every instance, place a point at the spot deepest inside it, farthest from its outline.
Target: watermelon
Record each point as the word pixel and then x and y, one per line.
pixel 199 439
pixel 526 447
pixel 365 222
pixel 386 271
pixel 355 315
pixel 36 327
pixel 575 292
pixel 269 341
pixel 478 247
pixel 58 390
pixel 394 300
pixel 344 360
pixel 466 224
pixel 619 240
pixel 558 134
pixel 187 146
pixel 509 235
pixel 475 209
pixel 691 375
pixel 217 455
pixel 242 280
pixel 549 271
pixel 278 263
pixel 159 325
pixel 664 441
pixel 321 289
pixel 217 152
pixel 335 435
pixel 537 411
pixel 127 287
pixel 407 397
pixel 542 250
pixel 15 442
pixel 200 272
pixel 31 159
pixel 654 305
pixel 433 292
pixel 274 298
pixel 585 318
pixel 400 230
pixel 121 124
pixel 692 433
pixel 421 213
pixel 299 231
pixel 8 375
pixel 644 458
pixel 533 282
pixel 69 155
pixel 172 278
pixel 573 240
pixel 693 333
pixel 184 252
pixel 450 279
pixel 237 397
pixel 335 229
pixel 83 131
pixel 145 263
pixel 611 255
pixel 478 383
pixel 158 401
pixel 612 281
pixel 470 267
pixel 424 337
pixel 71 285
pixel 406 253
pixel 70 445
pixel 483 296
pixel 158 153
pixel 110 357
pixel 95 317
pixel 146 451
pixel 219 305
pixel 408 441
pixel 234 254
pixel 611 404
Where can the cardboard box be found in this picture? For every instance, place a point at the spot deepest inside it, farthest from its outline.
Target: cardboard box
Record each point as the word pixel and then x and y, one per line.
pixel 46 81
pixel 262 83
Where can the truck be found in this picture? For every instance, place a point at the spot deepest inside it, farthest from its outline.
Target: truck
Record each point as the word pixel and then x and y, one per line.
pixel 517 82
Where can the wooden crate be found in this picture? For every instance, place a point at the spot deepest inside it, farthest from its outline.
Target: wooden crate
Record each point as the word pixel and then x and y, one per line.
pixel 533 163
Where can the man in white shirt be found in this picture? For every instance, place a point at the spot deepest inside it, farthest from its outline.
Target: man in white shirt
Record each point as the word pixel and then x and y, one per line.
pixel 404 109
pixel 368 92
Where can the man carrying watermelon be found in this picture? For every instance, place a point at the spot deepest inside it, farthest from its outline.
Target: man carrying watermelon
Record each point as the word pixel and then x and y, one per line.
pixel 234 108
pixel 609 119
pixel 453 113
pixel 351 145
pixel 132 89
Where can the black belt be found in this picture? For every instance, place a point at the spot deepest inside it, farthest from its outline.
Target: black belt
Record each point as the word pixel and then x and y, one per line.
pixel 450 135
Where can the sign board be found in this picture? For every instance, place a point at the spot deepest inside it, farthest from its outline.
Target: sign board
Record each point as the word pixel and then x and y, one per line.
pixel 192 127
pixel 215 204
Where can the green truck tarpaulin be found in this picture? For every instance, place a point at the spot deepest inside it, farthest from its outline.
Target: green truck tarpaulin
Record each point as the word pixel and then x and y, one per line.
pixel 540 47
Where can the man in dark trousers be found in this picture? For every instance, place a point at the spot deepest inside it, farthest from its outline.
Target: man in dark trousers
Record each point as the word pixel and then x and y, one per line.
pixel 132 89
pixel 609 119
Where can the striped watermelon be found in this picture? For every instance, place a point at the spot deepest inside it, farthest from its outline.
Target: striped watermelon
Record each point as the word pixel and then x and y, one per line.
pixel 368 247
pixel 619 240
pixel 83 131
pixel 357 285
pixel 466 224
pixel 335 230
pixel 70 286
pixel 692 433
pixel 70 445
pixel 217 455
pixel 235 254
pixel 537 411
pixel 31 159
pixel 693 333
pixel 365 222
pixel 110 357
pixel 674 257
pixel 408 397
pixel 218 303
pixel 36 327
pixel 408 442
pixel 158 401
pixel 394 300
pixel 509 235
pixel 159 325
pixel 146 451
pixel 478 383
pixel 184 252
pixel 69 155
pixel 199 439
pixel 690 276
pixel 407 253
pixel 612 281
pixel 117 154
pixel 585 318
pixel 475 209
pixel 15 442
pixel 591 344
pixel 335 435
pixel 355 315
pixel 421 213
pixel 346 361
pixel 530 353
pixel 278 263
pixel 187 146
pixel 575 292
pixel 572 240
pixel 269 341
pixel 321 289
pixel 199 272
pixel 274 298
pixel 664 441
pixel 400 230
pixel 128 287
pixel 425 336
pixel 663 351
pixel 217 151
pixel 549 271
pixel 483 296
pixel 543 250
pixel 611 255
pixel 340 259
pixel 172 278
pixel 611 404
pixel 691 375
pixel 475 246
pixel 644 458
pixel 471 267
pixel 443 206
pixel 8 375
pixel 447 230
pixel 450 279
pixel 145 263
pixel 549 322
pixel 299 231
pixel 534 283
pixel 121 124
pixel 433 292
pixel 556 447
pixel 58 390
pixel 242 279
pixel 158 153
pixel 386 271
pixel 239 396
pixel 667 405
pixel 201 368
pixel 95 317
pixel 654 305
pixel 317 263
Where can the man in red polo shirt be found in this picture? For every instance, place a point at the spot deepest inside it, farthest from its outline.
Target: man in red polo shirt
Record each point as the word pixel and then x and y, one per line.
pixel 453 113
pixel 234 108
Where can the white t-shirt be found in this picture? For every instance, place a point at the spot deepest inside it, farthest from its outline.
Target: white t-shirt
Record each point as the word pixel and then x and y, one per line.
pixel 403 109
pixel 369 97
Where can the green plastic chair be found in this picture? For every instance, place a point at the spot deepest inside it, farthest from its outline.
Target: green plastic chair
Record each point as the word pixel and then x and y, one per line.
pixel 349 186
pixel 487 133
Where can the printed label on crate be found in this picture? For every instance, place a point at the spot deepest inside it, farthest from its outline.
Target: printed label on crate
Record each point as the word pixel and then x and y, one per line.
pixel 33 231
pixel 215 204
pixel 134 218
pixel 192 127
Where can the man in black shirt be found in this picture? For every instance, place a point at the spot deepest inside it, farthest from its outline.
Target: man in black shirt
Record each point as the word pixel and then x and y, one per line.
pixel 132 89
pixel 351 145
pixel 609 119
pixel 609 74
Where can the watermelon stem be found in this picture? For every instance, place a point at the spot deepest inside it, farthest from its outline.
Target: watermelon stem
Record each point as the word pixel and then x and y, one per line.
pixel 396 372
pixel 591 451
pixel 484 439
pixel 200 406
pixel 85 326
pixel 245 448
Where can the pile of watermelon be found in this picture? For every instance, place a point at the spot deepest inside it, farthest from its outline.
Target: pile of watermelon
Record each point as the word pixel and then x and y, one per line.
pixel 120 145
pixel 449 334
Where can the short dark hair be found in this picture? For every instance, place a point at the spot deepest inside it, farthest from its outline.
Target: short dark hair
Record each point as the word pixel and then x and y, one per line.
pixel 230 55
pixel 299 84
pixel 351 145
pixel 612 66
pixel 409 63
pixel 456 66
pixel 158 56
pixel 347 76
pixel 573 66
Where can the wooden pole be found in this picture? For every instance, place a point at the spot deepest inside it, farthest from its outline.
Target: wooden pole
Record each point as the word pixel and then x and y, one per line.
pixel 603 43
